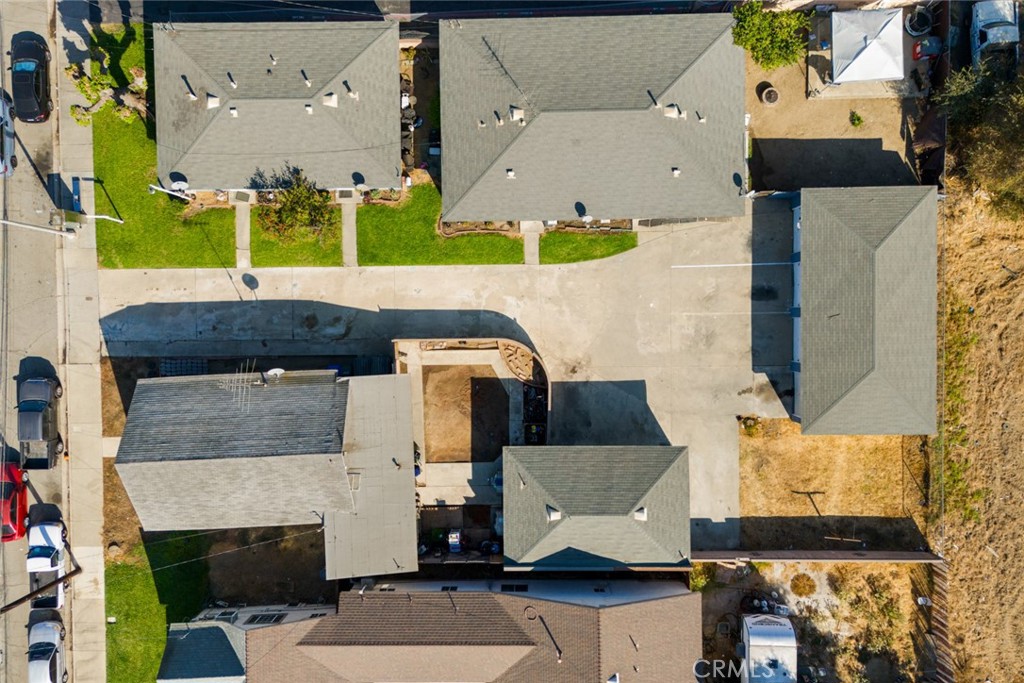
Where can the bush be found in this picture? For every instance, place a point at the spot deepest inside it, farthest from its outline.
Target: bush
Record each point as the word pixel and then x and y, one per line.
pixel 702 576
pixel 987 129
pixel 300 204
pixel 802 585
pixel 856 120
pixel 773 39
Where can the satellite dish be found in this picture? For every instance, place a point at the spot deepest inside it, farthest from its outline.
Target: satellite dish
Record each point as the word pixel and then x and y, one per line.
pixel 587 219
pixel 276 373
pixel 179 185
pixel 363 187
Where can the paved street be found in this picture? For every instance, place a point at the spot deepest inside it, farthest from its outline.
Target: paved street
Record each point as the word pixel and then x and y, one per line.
pixel 30 312
pixel 638 351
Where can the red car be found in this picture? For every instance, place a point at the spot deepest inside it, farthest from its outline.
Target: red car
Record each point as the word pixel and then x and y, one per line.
pixel 14 503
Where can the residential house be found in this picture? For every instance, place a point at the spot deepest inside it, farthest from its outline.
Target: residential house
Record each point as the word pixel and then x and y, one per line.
pixel 234 100
pixel 211 652
pixel 572 508
pixel 592 118
pixel 272 449
pixel 865 301
pixel 552 631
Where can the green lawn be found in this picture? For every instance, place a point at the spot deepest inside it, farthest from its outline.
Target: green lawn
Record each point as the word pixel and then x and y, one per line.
pixel 144 603
pixel 154 235
pixel 304 248
pixel 569 247
pixel 407 236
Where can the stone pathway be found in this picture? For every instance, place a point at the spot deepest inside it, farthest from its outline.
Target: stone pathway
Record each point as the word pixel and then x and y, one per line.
pixel 531 232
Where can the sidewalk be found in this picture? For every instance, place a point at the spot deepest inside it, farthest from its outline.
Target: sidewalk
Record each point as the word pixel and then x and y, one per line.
pixel 87 628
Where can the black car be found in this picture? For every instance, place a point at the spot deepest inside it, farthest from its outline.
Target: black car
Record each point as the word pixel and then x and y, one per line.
pixel 30 80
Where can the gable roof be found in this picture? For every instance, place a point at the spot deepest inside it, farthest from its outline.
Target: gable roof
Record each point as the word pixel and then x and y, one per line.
pixel 195 652
pixel 868 310
pixel 594 141
pixel 214 150
pixel 576 507
pixel 496 637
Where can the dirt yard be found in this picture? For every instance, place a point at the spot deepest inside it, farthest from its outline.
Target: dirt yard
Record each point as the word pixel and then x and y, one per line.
pixel 278 571
pixel 465 413
pixel 984 265
pixel 810 143
pixel 829 492
pixel 118 377
pixel 858 622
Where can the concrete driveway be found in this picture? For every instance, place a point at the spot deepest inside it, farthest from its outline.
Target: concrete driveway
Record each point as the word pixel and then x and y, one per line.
pixel 667 343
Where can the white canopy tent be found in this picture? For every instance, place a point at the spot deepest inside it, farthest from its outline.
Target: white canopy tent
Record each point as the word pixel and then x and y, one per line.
pixel 867 45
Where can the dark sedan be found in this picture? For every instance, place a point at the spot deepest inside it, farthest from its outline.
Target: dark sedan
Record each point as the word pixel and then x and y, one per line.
pixel 30 80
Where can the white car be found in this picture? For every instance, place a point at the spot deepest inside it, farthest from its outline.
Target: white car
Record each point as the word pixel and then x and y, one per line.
pixel 46 541
pixel 7 159
pixel 995 33
pixel 46 663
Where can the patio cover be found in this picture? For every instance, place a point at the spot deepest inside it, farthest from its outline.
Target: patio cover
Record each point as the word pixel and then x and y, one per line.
pixel 867 45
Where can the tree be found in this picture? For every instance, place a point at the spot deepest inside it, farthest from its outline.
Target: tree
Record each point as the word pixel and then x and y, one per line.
pixel 986 119
pixel 100 89
pixel 773 39
pixel 297 204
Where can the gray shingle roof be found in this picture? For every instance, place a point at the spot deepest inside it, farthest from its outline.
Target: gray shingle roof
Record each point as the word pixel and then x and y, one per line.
pixel 593 134
pixel 234 416
pixel 404 637
pixel 596 490
pixel 868 310
pixel 203 653
pixel 214 150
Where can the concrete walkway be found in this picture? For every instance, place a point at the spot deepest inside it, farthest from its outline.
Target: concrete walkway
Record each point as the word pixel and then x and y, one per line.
pixel 531 232
pixel 638 351
pixel 241 201
pixel 349 244
pixel 87 630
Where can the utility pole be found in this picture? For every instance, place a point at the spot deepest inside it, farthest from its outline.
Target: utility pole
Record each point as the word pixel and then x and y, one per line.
pixel 65 232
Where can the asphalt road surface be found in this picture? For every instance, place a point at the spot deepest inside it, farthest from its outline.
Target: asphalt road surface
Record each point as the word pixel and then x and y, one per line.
pixel 29 310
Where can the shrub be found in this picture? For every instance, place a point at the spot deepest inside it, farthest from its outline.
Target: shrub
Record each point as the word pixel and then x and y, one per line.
pixel 702 576
pixel 856 120
pixel 299 204
pixel 773 39
pixel 802 585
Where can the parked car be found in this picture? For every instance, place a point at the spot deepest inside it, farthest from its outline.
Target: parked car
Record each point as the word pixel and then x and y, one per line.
pixel 38 433
pixel 14 500
pixel 46 662
pixel 52 597
pixel 995 36
pixel 46 540
pixel 8 161
pixel 30 80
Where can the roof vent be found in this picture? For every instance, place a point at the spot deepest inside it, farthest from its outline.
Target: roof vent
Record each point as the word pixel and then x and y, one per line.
pixel 273 60
pixel 654 100
pixel 674 111
pixel 553 514
pixel 701 118
pixel 675 172
pixel 510 174
pixel 517 114
pixel 331 100
pixel 614 678
pixel 640 514
pixel 481 124
pixel 231 80
pixel 305 79
pixel 351 93
pixel 234 112
pixel 309 109
pixel 212 101
pixel 499 121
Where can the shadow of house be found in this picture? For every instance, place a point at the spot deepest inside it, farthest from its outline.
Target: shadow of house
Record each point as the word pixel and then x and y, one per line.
pixel 603 414
pixel 833 532
pixel 791 165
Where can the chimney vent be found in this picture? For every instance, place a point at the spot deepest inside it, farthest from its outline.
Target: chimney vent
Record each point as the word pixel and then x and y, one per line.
pixel 640 514
pixel 231 80
pixel 234 112
pixel 331 100
pixel 516 114
pixel 675 172
pixel 674 111
pixel 212 101
pixel 510 174
pixel 553 514
pixel 309 109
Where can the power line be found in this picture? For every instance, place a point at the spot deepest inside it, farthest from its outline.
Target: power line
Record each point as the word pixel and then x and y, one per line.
pixel 235 550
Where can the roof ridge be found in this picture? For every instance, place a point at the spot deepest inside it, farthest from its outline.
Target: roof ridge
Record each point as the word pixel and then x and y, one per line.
pixel 900 222
pixel 679 454
pixel 185 152
pixel 685 71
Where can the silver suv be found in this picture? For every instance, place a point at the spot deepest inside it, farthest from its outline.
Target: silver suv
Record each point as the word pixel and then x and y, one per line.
pixel 7 159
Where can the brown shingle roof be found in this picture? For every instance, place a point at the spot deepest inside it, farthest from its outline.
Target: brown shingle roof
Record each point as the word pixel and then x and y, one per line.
pixel 503 638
